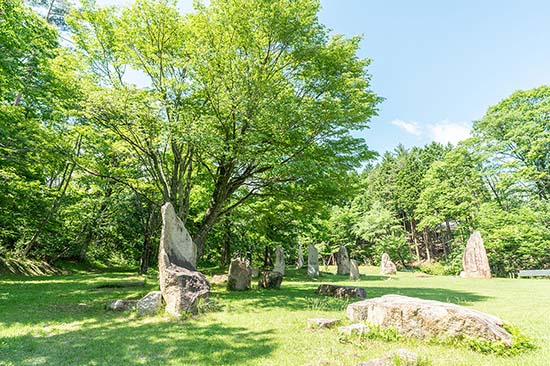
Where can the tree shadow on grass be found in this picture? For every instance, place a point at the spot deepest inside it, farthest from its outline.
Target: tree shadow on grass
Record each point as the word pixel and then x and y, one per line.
pixel 126 343
pixel 303 297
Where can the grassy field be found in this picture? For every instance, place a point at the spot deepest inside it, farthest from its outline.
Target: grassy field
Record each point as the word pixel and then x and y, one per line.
pixel 61 320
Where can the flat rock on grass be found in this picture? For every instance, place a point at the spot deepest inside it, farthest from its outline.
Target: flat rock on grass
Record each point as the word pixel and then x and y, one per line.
pixel 219 278
pixel 150 304
pixel 322 322
pixel 354 329
pixel 122 305
pixel 420 318
pixel 399 357
pixel 341 291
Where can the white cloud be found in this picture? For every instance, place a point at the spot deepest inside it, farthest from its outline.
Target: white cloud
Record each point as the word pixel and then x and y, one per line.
pixel 411 127
pixel 446 131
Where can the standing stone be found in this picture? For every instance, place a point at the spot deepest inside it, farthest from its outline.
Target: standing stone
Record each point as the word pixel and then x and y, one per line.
pixel 474 260
pixel 174 237
pixel 342 261
pixel 270 279
pixel 354 274
pixel 312 261
pixel 240 275
pixel 279 260
pixel 387 267
pixel 255 272
pixel 300 262
pixel 181 285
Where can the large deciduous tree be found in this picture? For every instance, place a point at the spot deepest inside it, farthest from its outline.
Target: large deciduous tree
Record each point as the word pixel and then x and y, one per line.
pixel 249 94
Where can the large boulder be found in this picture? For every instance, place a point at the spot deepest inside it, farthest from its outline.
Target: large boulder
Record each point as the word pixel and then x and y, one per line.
pixel 354 274
pixel 270 279
pixel 341 291
pixel 240 275
pixel 181 285
pixel 474 261
pixel 150 304
pixel 312 261
pixel 387 267
pixel 183 289
pixel 342 261
pixel 420 318
pixel 300 261
pixel 279 260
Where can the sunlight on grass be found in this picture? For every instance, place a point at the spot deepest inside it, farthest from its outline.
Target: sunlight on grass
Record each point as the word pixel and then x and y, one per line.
pixel 62 320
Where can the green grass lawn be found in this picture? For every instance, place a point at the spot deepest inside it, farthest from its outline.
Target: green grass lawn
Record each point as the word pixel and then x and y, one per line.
pixel 61 320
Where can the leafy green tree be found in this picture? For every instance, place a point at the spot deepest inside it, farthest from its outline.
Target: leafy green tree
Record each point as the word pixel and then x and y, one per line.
pixel 244 91
pixel 516 134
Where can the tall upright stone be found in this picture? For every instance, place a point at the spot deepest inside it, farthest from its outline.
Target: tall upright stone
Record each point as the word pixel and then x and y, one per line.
pixel 279 260
pixel 387 267
pixel 175 238
pixel 354 274
pixel 240 274
pixel 312 261
pixel 300 262
pixel 342 261
pixel 181 285
pixel 474 261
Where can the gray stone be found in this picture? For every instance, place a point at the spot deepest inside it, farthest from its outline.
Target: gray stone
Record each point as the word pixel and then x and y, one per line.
pixel 413 317
pixel 240 275
pixel 387 267
pixel 122 305
pixel 300 262
pixel 342 261
pixel 270 279
pixel 399 357
pixel 183 289
pixel 150 304
pixel 354 329
pixel 354 274
pixel 312 261
pixel 322 322
pixel 175 238
pixel 279 260
pixel 341 291
pixel 181 285
pixel 474 261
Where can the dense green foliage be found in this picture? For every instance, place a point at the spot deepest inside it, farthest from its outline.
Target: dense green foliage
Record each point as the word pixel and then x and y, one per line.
pixel 241 114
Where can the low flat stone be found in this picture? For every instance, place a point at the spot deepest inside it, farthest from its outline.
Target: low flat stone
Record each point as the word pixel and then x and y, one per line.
pixel 122 305
pixel 322 322
pixel 401 357
pixel 219 278
pixel 341 291
pixel 354 329
pixel 150 304
pixel 413 317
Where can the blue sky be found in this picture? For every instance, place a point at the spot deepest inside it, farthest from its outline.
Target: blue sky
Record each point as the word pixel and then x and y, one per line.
pixel 440 64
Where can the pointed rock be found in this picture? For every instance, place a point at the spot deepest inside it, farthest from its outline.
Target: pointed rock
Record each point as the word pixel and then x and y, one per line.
pixel 474 260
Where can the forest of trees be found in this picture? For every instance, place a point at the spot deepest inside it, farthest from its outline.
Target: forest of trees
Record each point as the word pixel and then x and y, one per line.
pixel 241 114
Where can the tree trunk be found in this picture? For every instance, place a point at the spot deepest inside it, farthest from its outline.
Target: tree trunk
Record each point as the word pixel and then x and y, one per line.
pixel 415 239
pixel 148 231
pixel 226 241
pixel 427 243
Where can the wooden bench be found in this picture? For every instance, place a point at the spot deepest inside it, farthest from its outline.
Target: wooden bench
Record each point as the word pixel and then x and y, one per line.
pixel 534 273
